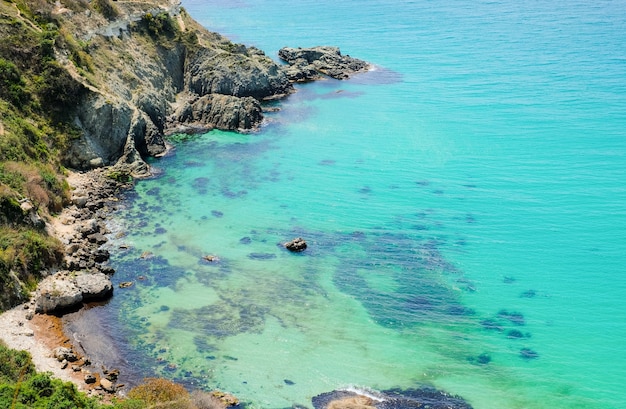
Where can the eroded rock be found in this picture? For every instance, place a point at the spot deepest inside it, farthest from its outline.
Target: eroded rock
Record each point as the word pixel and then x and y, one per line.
pixel 306 64
pixel 296 245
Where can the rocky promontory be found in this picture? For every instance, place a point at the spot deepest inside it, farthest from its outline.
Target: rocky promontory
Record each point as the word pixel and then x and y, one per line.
pixel 308 64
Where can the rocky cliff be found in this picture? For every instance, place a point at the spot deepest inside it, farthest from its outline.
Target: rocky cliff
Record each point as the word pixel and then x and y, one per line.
pixel 148 68
pixel 89 84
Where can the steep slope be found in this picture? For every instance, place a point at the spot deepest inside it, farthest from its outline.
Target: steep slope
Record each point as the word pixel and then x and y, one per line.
pixel 86 84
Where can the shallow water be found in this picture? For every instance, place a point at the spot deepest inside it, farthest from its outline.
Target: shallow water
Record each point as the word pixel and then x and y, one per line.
pixel 463 206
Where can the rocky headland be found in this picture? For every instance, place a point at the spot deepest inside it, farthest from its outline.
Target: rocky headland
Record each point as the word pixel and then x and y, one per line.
pixel 104 83
pixel 122 76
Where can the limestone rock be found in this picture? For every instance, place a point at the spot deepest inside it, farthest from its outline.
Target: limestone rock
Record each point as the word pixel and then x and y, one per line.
pixel 96 286
pixel 107 385
pixel 64 354
pixel 56 293
pixel 64 291
pixel 322 59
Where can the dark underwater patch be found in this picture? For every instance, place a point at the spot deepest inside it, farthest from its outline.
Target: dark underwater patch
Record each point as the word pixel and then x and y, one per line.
pixel 515 317
pixel 220 320
pixel 528 294
pixel 527 353
pixel 421 293
pixel 261 256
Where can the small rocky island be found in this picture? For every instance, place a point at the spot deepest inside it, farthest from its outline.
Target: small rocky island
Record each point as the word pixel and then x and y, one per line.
pixel 309 64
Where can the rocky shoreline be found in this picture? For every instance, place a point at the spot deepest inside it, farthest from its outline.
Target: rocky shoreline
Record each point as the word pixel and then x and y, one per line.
pixel 36 326
pixel 85 275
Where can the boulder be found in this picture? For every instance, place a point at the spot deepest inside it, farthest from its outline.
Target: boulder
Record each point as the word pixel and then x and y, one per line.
pixel 64 354
pixel 96 286
pixel 107 385
pixel 326 60
pixel 296 245
pixel 56 293
pixel 65 291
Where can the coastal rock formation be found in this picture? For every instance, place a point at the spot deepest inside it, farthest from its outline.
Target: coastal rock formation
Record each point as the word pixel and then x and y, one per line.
pixel 238 71
pixel 424 397
pixel 306 64
pixel 149 70
pixel 65 291
pixel 218 111
pixel 296 245
pixel 57 293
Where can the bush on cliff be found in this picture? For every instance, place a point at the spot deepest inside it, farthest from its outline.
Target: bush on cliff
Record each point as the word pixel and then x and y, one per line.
pixel 22 387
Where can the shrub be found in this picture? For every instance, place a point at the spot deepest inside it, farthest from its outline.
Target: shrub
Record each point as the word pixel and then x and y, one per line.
pixel 157 25
pixel 12 84
pixel 163 392
pixel 106 8
pixel 14 365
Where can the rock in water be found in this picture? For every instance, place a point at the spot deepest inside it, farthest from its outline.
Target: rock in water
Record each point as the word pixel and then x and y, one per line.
pixel 296 245
pixel 96 286
pixel 305 64
pixel 424 397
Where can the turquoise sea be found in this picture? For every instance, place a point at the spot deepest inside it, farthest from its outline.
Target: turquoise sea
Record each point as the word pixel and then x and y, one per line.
pixel 464 205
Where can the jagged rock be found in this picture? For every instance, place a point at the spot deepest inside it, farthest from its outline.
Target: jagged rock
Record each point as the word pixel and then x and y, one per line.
pixel 104 125
pixel 296 245
pixel 243 72
pixel 96 286
pixel 89 379
pixel 322 59
pixel 220 111
pixel 112 375
pixel 64 291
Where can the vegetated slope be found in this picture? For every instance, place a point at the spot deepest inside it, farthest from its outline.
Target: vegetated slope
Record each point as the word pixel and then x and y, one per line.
pixel 86 84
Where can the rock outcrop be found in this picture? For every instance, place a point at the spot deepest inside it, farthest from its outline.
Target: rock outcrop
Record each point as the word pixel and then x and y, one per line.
pixel 417 398
pixel 217 111
pixel 307 64
pixel 153 71
pixel 296 245
pixel 65 291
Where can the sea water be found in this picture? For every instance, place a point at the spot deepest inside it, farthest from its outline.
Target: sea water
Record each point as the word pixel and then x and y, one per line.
pixel 464 205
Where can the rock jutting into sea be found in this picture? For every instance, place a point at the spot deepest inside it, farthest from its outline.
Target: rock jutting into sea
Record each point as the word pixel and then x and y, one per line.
pixel 417 398
pixel 155 71
pixel 308 64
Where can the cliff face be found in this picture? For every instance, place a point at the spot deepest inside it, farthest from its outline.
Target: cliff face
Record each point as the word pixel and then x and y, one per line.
pixel 92 83
pixel 149 69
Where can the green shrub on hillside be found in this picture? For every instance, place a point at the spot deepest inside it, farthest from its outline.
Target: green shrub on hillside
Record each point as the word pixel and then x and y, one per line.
pixel 12 85
pixel 21 387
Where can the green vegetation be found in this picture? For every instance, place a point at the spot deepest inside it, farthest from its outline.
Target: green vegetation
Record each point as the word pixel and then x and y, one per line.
pixel 105 7
pixel 158 25
pixel 22 387
pixel 36 94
